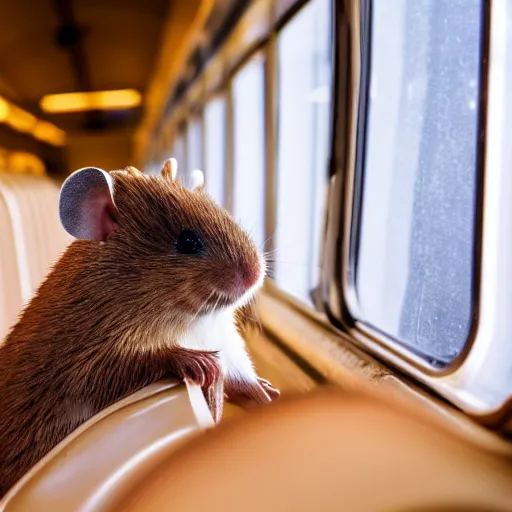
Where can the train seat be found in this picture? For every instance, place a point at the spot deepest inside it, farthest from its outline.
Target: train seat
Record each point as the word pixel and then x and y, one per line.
pixel 10 286
pixel 32 239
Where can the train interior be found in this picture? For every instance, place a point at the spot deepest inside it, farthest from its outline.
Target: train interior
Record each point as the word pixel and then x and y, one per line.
pixel 363 146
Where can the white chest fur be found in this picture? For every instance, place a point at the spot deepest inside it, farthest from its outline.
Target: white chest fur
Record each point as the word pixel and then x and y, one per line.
pixel 217 331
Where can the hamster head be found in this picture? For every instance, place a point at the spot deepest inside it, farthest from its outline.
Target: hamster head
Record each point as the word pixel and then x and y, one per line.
pixel 162 246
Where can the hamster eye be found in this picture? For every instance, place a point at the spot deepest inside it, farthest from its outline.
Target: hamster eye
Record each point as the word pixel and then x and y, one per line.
pixel 188 242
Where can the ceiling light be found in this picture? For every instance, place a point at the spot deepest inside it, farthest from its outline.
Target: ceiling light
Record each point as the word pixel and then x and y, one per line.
pixel 20 119
pixel 47 132
pixel 83 101
pixel 25 122
pixel 4 109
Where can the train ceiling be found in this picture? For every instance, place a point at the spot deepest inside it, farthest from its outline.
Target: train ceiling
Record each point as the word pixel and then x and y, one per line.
pixel 63 46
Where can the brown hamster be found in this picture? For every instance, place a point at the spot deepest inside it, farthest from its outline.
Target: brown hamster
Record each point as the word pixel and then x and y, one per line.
pixel 151 290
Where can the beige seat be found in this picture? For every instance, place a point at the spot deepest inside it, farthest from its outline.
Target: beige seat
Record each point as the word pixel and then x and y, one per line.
pixel 10 286
pixel 103 458
pixel 30 226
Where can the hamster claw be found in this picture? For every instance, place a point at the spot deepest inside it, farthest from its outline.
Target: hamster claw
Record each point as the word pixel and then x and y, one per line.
pixel 259 392
pixel 271 391
pixel 214 395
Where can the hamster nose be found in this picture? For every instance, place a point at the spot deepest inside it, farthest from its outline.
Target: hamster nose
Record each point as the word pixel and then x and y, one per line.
pixel 250 275
pixel 245 278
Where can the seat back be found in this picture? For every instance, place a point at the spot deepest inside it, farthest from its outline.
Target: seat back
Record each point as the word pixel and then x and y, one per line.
pixel 32 239
pixel 10 285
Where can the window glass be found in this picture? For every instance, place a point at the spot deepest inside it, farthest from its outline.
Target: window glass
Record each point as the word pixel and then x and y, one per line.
pixel 304 53
pixel 416 241
pixel 194 145
pixel 249 148
pixel 215 147
pixel 179 152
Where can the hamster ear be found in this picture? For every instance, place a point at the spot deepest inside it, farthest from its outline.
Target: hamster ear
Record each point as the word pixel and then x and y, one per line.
pixel 197 180
pixel 86 204
pixel 170 169
pixel 132 171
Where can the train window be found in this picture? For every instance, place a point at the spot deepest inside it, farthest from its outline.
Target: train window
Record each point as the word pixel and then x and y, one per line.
pixel 249 147
pixel 304 56
pixel 414 261
pixel 215 143
pixel 195 144
pixel 179 151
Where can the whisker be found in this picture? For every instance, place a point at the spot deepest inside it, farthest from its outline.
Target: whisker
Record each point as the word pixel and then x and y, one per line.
pixel 267 240
pixel 204 306
pixel 293 263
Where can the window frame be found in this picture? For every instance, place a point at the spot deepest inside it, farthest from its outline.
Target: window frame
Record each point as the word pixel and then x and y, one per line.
pixel 462 381
pixel 356 185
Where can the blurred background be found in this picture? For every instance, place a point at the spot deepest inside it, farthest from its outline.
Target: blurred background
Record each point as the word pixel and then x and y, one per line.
pixel 240 89
pixel 52 49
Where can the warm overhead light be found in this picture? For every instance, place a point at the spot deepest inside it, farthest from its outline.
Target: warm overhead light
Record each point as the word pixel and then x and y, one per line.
pixel 25 122
pixel 47 132
pixel 20 119
pixel 4 110
pixel 98 100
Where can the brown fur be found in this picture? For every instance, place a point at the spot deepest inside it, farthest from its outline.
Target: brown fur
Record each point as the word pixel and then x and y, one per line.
pixel 104 322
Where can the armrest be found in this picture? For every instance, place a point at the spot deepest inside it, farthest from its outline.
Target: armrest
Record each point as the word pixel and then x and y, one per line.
pixel 108 453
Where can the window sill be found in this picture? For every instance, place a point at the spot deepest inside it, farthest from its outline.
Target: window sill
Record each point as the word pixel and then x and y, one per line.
pixel 335 357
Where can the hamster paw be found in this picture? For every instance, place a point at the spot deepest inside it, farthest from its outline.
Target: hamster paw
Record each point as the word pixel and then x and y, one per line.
pixel 271 391
pixel 198 366
pixel 244 392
